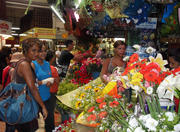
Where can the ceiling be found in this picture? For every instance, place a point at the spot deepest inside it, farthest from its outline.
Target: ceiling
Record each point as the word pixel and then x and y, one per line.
pixel 15 9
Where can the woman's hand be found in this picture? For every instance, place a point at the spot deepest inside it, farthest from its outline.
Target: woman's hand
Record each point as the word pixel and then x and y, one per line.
pixel 45 112
pixel 48 84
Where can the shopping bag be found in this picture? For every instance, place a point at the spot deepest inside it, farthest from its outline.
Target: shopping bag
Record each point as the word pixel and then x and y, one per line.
pixel 17 105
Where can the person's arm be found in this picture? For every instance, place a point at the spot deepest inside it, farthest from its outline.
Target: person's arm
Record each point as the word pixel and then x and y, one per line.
pixel 104 70
pixel 25 71
pixel 78 57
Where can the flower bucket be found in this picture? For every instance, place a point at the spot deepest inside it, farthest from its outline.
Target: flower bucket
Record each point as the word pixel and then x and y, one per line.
pixel 176 101
pixel 95 75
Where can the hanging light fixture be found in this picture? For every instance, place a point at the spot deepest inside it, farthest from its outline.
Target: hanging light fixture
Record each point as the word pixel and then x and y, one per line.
pixel 57 13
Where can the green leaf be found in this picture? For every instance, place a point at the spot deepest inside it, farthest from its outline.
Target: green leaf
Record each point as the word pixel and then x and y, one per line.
pixel 58 3
pixel 141 103
pixel 29 4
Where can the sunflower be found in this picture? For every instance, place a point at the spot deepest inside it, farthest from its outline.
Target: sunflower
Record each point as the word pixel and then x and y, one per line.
pixel 88 87
pixel 78 104
pixel 82 95
pixel 96 90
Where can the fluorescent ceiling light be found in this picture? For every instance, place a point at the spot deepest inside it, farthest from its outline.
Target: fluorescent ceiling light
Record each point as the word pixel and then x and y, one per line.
pixel 15 28
pixel 46 39
pixel 122 39
pixel 23 34
pixel 5 36
pixel 57 13
pixel 15 34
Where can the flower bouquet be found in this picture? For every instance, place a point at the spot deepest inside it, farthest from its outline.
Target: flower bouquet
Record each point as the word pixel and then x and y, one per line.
pixel 66 127
pixel 87 95
pixel 93 65
pixel 101 110
pixel 143 74
pixel 154 120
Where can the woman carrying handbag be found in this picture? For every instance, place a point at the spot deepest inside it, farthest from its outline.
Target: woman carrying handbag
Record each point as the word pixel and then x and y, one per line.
pixel 24 74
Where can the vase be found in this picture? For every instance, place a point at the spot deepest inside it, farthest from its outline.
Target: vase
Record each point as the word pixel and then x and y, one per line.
pixel 95 74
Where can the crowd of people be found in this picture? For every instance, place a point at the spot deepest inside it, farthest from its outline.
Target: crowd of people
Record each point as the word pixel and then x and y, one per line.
pixel 42 70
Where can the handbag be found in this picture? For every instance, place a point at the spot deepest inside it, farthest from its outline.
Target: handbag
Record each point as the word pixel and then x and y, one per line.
pixel 17 105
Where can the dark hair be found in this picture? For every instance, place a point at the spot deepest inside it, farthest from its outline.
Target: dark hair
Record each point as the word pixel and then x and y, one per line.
pixel 119 42
pixel 43 43
pixel 68 42
pixel 50 55
pixel 5 53
pixel 175 54
pixel 28 43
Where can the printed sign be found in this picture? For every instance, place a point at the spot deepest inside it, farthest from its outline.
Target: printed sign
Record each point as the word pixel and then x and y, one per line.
pixel 150 24
pixel 5 27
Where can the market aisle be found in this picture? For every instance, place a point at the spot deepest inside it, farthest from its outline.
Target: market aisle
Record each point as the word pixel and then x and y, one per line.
pixel 40 121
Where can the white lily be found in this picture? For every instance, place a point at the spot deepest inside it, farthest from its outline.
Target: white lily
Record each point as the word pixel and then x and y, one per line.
pixel 159 60
pixel 150 50
pixel 149 90
pixel 170 116
pixel 126 58
pixel 177 128
pixel 151 124
pixel 136 46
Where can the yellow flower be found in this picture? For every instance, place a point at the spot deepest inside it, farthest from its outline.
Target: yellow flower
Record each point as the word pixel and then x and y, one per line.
pixel 100 85
pixel 132 71
pixel 159 60
pixel 78 104
pixel 137 76
pixel 96 90
pixel 82 95
pixel 77 95
pixel 88 87
pixel 123 82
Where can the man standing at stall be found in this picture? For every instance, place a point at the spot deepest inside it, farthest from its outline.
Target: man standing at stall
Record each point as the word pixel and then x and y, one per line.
pixel 65 58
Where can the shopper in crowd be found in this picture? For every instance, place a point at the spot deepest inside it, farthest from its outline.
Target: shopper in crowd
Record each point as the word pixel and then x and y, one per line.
pixel 44 76
pixel 174 63
pixel 8 70
pixel 25 74
pixel 115 61
pixel 5 56
pixel 58 53
pixel 50 57
pixel 7 76
pixel 66 57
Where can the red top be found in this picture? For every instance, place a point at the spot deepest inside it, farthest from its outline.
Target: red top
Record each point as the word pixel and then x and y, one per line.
pixel 54 86
pixel 4 74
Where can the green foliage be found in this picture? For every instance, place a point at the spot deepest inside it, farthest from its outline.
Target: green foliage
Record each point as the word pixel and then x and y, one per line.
pixel 65 87
pixel 172 25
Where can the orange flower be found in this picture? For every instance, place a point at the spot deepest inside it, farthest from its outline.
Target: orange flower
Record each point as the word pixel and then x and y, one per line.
pixel 117 96
pixel 91 109
pixel 153 66
pixel 150 76
pixel 102 114
pixel 101 105
pixel 134 58
pixel 176 70
pixel 114 104
pixel 91 117
pixel 100 100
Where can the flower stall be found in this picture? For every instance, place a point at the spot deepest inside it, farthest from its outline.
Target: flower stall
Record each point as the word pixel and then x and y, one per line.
pixel 154 93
